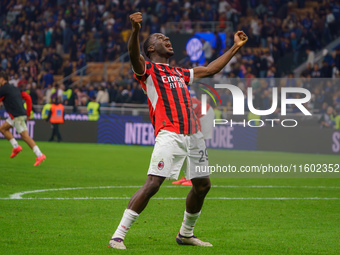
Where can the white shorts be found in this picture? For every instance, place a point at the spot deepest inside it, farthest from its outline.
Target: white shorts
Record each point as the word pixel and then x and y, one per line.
pixel 207 123
pixel 19 123
pixel 173 152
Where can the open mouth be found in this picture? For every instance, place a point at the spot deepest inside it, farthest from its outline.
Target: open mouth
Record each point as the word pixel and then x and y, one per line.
pixel 168 46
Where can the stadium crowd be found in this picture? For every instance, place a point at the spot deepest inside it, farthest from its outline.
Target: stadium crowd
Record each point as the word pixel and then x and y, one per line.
pixel 35 36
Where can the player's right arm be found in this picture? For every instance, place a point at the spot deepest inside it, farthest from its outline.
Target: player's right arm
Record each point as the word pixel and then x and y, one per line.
pixel 137 60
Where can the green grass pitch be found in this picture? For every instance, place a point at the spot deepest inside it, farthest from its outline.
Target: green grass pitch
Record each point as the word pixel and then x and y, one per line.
pixel 54 221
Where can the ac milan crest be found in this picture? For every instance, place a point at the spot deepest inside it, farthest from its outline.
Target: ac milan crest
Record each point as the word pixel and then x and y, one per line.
pixel 160 165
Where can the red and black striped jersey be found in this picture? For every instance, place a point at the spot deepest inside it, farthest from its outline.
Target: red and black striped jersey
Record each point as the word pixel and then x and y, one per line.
pixel 169 101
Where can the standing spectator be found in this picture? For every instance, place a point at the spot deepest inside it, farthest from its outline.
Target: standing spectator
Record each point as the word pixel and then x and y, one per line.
pixel 73 100
pixel 39 93
pixel 316 72
pixel 111 49
pixel 57 92
pixel 336 101
pixel 67 35
pixel 57 36
pixel 295 47
pixel 47 79
pixel 318 99
pixel 138 95
pixel 256 29
pixel 330 22
pixel 91 48
pixel 263 65
pixel 112 90
pixel 337 58
pixel 310 56
pixel 222 6
pixel 326 70
pixel 327 119
pixel 308 70
pixel 101 49
pixel 218 46
pixel 74 48
pixel 122 95
pixel 208 50
pixel 4 61
pixel 48 36
pixel 102 96
pixel 15 80
pixel 33 69
pixel 31 89
pixel 48 93
pixel 81 63
pixel 67 71
pixel 91 92
pixel 56 61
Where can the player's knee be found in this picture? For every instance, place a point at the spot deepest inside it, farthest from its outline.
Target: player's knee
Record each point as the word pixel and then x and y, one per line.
pixel 151 188
pixel 203 187
pixel 2 129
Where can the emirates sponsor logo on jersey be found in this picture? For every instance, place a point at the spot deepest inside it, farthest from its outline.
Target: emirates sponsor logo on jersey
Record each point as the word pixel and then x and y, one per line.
pixel 174 81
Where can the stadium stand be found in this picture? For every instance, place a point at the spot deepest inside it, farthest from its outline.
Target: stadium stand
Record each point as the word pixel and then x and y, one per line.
pixel 82 43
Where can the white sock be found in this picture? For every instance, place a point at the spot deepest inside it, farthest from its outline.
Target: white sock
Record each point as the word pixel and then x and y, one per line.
pixel 187 228
pixel 37 151
pixel 14 143
pixel 129 217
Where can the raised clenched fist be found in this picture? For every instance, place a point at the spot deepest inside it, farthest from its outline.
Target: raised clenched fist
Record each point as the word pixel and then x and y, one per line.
pixel 136 19
pixel 240 38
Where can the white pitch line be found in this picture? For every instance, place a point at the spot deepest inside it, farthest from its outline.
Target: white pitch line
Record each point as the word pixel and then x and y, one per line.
pixel 19 195
pixel 177 198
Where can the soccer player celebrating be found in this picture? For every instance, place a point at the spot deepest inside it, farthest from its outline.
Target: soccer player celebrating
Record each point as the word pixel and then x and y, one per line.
pixel 179 141
pixel 12 99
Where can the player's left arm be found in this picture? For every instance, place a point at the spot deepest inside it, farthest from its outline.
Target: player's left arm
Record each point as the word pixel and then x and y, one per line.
pixel 28 101
pixel 240 38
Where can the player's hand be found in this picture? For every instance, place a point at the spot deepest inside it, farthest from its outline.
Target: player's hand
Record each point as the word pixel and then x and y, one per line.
pixel 136 19
pixel 28 117
pixel 240 38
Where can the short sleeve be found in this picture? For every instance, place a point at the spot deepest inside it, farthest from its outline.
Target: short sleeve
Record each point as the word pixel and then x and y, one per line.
pixel 188 75
pixel 137 74
pixel 142 77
